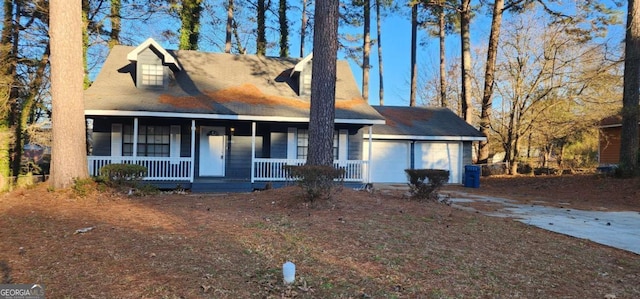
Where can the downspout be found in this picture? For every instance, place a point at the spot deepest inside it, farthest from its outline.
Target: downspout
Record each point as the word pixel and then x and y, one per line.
pixel 193 150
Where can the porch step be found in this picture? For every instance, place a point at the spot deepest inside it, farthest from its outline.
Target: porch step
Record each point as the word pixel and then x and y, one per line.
pixel 213 187
pixel 225 187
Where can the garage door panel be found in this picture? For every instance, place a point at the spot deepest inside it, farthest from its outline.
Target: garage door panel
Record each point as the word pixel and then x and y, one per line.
pixel 389 160
pixel 440 155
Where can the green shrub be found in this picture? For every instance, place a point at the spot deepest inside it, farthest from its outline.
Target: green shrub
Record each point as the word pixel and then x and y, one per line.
pixel 25 180
pixel 627 171
pixel 316 181
pixel 424 183
pixel 145 189
pixel 525 168
pixel 546 171
pixel 123 174
pixel 494 169
pixel 83 187
pixel 5 183
pixel 622 171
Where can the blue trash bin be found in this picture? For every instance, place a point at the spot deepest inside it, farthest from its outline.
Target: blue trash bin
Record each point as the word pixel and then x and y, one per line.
pixel 472 176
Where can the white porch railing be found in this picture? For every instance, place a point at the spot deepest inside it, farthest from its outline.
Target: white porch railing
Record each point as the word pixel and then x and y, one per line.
pixel 267 169
pixel 179 169
pixel 158 168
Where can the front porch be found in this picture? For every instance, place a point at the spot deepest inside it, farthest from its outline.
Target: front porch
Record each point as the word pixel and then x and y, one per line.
pixel 200 154
pixel 167 172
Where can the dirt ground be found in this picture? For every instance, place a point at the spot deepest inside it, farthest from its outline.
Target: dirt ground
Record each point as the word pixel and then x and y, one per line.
pixel 359 245
pixel 586 192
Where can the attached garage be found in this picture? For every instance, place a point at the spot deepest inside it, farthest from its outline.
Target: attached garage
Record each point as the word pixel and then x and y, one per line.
pixel 419 138
pixel 390 159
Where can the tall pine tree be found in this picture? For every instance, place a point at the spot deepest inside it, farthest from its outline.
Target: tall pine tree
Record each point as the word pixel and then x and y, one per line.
pixel 631 95
pixel 68 155
pixel 323 83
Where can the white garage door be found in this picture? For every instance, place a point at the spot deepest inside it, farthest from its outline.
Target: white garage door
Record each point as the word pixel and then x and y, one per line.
pixel 390 159
pixel 441 155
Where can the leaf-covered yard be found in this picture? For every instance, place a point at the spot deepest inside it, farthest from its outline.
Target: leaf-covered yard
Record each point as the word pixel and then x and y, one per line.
pixel 362 245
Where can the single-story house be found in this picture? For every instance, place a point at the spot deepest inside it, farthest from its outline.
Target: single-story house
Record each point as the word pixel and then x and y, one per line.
pixel 609 141
pixel 217 121
pixel 420 138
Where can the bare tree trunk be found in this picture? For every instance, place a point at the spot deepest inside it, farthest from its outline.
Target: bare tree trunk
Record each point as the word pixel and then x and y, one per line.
pixel 227 44
pixel 5 134
pixel 5 98
pixel 510 145
pixel 631 96
pixel 303 27
pixel 516 152
pixel 116 24
pixel 9 58
pixel 5 144
pixel 190 28
pixel 492 51
pixel 6 48
pixel 560 159
pixel 261 41
pixel 6 40
pixel 323 83
pixel 85 42
pixel 68 151
pixel 414 45
pixel 380 72
pixel 27 111
pixel 241 48
pixel 284 29
pixel 443 65
pixel 546 155
pixel 366 49
pixel 465 43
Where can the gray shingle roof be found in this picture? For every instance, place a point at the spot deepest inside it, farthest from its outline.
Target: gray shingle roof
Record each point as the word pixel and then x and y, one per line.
pixel 224 85
pixel 423 121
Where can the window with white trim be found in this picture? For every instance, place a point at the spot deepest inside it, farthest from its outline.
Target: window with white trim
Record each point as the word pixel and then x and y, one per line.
pixel 303 144
pixel 153 141
pixel 152 74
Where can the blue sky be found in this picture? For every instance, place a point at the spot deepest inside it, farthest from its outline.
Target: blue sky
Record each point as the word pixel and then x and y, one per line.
pixel 396 54
pixel 396 41
pixel 395 47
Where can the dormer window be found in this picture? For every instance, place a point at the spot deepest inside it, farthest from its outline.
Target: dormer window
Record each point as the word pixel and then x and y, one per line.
pixel 152 65
pixel 152 75
pixel 302 72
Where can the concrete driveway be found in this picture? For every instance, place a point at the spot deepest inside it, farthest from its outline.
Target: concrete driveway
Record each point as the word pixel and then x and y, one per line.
pixel 616 229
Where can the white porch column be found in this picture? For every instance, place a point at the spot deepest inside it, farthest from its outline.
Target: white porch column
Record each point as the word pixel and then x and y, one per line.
pixel 253 151
pixel 193 150
pixel 343 146
pixel 369 162
pixel 116 143
pixel 135 138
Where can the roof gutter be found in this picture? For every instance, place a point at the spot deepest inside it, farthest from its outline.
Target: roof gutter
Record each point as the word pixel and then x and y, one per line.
pixel 424 138
pixel 224 116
